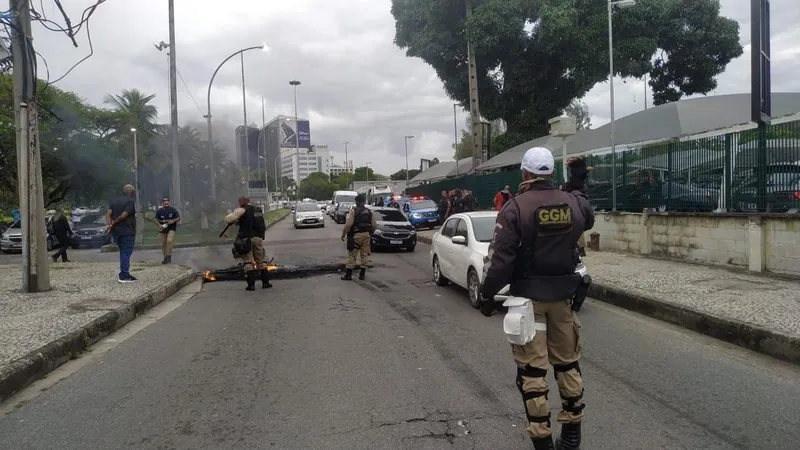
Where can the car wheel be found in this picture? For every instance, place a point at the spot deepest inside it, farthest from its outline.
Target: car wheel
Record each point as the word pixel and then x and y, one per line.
pixel 474 288
pixel 411 248
pixel 438 277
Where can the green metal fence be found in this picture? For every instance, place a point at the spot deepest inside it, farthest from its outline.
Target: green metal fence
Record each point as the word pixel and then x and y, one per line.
pixel 748 171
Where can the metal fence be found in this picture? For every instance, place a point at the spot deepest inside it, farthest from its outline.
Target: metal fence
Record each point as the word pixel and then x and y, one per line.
pixel 748 171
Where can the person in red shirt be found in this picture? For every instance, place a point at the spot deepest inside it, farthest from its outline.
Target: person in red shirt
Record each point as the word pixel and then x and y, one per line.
pixel 502 197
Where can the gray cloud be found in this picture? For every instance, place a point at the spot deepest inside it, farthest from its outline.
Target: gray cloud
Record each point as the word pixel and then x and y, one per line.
pixel 356 85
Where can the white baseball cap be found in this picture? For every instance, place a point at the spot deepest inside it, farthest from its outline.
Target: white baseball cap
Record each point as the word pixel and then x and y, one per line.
pixel 539 161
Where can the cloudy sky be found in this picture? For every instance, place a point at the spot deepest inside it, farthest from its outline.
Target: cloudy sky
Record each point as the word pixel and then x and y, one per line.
pixel 356 85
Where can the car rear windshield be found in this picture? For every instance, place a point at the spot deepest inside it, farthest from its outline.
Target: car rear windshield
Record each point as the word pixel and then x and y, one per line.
pixel 345 199
pixel 307 207
pixel 483 228
pixel 422 204
pixel 390 215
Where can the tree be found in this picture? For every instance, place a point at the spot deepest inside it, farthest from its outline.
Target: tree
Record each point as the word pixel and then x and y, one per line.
pixel 400 175
pixel 343 181
pixel 464 148
pixel 363 173
pixel 317 186
pixel 580 111
pixel 535 57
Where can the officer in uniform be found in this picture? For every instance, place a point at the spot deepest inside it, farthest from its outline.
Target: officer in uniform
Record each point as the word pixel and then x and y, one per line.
pixel 533 250
pixel 358 230
pixel 259 254
pixel 245 217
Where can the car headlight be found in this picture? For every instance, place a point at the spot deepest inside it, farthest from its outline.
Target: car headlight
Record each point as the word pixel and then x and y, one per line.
pixel 412 232
pixel 378 232
pixel 416 215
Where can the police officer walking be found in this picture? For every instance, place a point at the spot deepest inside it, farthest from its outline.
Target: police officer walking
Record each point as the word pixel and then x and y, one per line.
pixel 358 230
pixel 533 250
pixel 248 241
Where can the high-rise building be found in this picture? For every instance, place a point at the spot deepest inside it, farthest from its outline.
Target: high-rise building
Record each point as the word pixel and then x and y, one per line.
pixel 249 156
pixel 299 166
pixel 279 137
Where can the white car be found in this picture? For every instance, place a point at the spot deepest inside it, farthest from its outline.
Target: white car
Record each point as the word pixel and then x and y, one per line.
pixel 459 247
pixel 308 215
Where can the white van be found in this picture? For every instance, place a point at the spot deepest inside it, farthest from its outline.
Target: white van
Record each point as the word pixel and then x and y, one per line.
pixel 340 197
pixel 375 193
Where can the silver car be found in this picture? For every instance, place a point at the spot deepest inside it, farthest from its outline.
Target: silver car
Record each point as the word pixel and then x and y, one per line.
pixel 308 215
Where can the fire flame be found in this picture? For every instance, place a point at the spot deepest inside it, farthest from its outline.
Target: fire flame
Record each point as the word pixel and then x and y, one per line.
pixel 271 267
pixel 209 276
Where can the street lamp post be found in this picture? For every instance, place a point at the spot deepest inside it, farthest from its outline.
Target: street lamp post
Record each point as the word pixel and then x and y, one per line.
pixel 455 136
pixel 346 166
pixel 208 116
pixel 294 84
pixel 367 176
pixel 407 138
pixel 621 4
pixel 139 218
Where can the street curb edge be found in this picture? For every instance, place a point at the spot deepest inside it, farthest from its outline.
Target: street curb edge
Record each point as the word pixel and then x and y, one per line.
pixel 111 248
pixel 752 337
pixel 23 371
pixel 424 239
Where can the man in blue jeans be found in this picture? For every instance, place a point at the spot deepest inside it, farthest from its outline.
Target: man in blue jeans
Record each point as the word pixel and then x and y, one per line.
pixel 121 219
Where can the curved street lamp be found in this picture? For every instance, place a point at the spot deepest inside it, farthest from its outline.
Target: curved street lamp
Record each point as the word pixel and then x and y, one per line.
pixel 208 117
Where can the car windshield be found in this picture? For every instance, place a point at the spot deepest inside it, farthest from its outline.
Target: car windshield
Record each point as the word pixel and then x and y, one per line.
pixel 307 207
pixel 422 204
pixel 345 199
pixel 92 219
pixel 17 224
pixel 389 215
pixel 483 228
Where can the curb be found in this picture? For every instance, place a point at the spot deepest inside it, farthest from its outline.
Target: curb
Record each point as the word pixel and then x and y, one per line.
pixel 111 248
pixel 424 239
pixel 23 371
pixel 752 337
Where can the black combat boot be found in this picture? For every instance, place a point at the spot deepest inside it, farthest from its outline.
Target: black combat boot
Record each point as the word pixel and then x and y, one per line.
pixel 570 437
pixel 251 280
pixel 543 443
pixel 348 275
pixel 362 274
pixel 265 279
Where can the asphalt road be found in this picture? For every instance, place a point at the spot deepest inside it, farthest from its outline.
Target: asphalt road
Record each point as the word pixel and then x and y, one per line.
pixel 391 362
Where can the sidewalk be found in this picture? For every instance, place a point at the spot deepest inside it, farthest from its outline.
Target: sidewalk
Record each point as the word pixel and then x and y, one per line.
pixel 758 312
pixel 41 331
pixel 754 311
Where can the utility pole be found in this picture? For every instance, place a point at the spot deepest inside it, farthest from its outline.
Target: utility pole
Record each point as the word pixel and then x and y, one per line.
pixel 173 115
pixel 35 268
pixel 455 136
pixel 263 129
pixel 474 108
pixel 346 166
pixel 246 128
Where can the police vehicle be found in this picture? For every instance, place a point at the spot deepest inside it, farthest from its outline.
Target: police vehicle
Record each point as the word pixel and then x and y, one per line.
pixel 421 211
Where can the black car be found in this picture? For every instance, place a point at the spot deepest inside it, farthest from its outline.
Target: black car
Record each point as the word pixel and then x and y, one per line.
pixel 394 230
pixel 92 231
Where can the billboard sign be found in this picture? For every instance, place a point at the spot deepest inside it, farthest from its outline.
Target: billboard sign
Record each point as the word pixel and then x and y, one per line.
pixel 289 133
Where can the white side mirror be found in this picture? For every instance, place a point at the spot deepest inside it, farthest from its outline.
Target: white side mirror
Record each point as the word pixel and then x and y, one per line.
pixel 460 240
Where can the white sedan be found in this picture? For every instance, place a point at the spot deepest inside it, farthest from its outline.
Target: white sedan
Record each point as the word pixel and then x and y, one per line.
pixel 458 249
pixel 308 215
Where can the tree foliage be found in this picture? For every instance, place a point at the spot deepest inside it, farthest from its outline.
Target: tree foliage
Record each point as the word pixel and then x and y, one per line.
pixel 534 57
pixel 579 110
pixel 317 186
pixel 464 147
pixel 87 152
pixel 400 175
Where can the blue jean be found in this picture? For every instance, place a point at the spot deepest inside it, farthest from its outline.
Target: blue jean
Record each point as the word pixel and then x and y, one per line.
pixel 125 244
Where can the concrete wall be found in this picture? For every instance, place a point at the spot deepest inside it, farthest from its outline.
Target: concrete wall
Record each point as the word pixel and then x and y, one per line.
pixel 759 243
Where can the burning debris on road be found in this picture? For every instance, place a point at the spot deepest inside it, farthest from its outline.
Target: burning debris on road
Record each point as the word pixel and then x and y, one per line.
pixel 235 272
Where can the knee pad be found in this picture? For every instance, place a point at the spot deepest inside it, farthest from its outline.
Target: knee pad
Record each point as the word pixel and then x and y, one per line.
pixel 571 403
pixel 533 373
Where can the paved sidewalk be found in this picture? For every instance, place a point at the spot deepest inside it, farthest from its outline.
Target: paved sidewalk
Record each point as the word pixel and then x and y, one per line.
pixel 754 311
pixel 39 332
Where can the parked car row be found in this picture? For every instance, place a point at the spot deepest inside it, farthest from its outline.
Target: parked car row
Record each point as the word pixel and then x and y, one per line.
pixel 90 231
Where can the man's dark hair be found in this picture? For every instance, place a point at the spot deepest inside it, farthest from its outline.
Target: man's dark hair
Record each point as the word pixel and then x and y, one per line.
pixel 360 198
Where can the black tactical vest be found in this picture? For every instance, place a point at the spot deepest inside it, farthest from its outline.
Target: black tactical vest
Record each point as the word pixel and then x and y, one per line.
pixel 363 220
pixel 247 223
pixel 259 226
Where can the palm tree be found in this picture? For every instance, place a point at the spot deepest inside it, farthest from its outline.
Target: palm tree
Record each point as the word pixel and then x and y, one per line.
pixel 137 112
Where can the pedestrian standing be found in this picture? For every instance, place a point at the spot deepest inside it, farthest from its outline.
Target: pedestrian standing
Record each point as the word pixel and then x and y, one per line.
pixel 121 219
pixel 358 229
pixel 533 250
pixel 444 206
pixel 167 219
pixel 63 232
pixel 502 198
